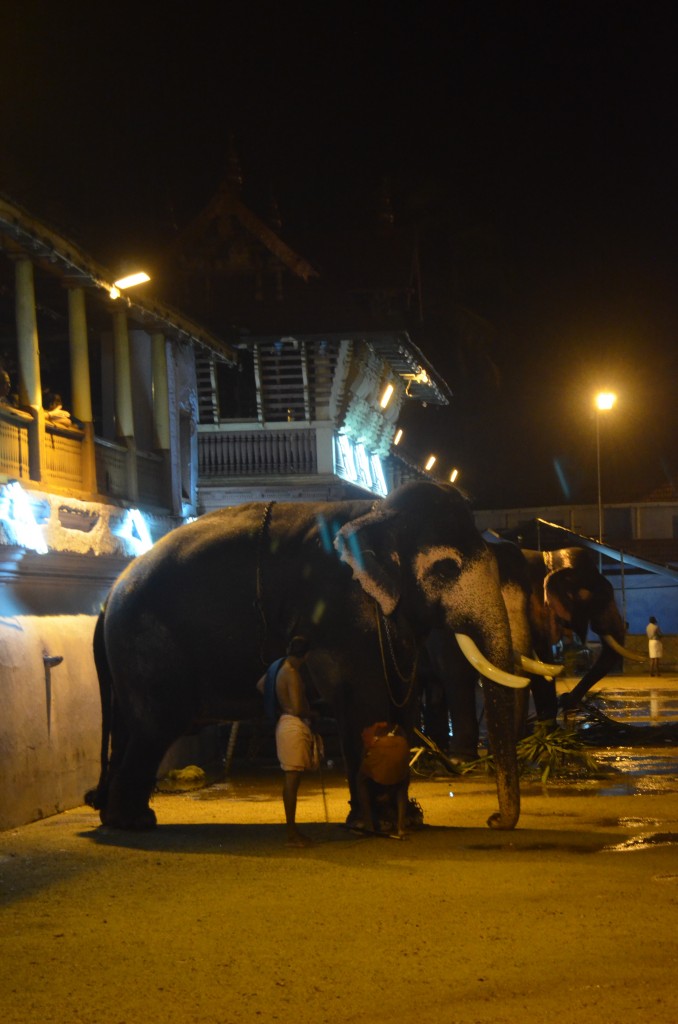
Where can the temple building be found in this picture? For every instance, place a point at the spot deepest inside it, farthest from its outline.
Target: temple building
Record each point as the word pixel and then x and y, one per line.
pixel 120 419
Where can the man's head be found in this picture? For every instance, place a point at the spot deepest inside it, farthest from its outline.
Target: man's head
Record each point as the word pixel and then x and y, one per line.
pixel 298 647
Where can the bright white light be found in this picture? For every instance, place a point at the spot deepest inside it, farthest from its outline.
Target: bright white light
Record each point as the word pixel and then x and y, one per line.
pixel 453 475
pixel 114 293
pixel 135 531
pixel 386 397
pixel 348 461
pixel 363 465
pixel 17 514
pixel 431 463
pixel 378 475
pixel 129 282
pixel 398 438
pixel 605 400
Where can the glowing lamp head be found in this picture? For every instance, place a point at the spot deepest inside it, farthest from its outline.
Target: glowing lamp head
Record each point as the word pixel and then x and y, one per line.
pixel 605 400
pixel 430 463
pixel 387 395
pixel 453 475
pixel 398 437
pixel 132 279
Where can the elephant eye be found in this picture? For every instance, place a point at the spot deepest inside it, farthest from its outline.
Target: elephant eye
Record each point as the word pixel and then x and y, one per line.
pixel 444 571
pixel 437 567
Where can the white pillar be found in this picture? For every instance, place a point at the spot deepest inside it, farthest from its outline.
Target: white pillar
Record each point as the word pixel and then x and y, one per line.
pixel 161 426
pixel 81 386
pixel 30 388
pixel 81 393
pixel 124 416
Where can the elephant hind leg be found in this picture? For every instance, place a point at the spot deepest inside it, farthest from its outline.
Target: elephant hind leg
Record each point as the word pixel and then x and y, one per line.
pixel 131 784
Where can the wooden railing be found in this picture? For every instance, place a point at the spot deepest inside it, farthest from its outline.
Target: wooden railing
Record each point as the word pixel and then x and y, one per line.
pixel 63 456
pixel 151 479
pixel 112 477
pixel 14 442
pixel 111 468
pixel 64 452
pixel 257 453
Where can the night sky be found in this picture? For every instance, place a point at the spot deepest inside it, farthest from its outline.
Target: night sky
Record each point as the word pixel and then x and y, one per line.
pixel 540 140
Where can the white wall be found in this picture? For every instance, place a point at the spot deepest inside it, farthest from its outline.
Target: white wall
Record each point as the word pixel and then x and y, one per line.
pixel 50 726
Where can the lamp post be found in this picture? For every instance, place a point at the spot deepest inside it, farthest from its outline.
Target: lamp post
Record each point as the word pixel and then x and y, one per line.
pixel 604 402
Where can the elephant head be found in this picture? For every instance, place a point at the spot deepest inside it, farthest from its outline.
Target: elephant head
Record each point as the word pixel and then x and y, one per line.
pixel 418 553
pixel 576 598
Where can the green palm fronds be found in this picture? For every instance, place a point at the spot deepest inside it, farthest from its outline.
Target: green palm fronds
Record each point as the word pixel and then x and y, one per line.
pixel 548 751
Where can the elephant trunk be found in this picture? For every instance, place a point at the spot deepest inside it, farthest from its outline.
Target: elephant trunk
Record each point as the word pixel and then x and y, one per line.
pixel 500 712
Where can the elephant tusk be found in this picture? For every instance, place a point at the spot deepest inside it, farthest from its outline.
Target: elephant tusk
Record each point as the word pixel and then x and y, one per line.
pixel 470 651
pixel 540 668
pixel 631 655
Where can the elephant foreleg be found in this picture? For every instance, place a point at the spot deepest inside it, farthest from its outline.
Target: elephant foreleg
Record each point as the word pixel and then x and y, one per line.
pixel 461 702
pixel 545 698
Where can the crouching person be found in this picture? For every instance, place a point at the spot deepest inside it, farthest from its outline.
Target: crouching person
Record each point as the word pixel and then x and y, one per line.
pixel 384 774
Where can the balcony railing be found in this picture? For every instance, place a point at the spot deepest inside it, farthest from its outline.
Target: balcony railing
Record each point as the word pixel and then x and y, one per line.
pixel 257 453
pixel 151 479
pixel 14 442
pixel 63 456
pixel 111 468
pixel 112 473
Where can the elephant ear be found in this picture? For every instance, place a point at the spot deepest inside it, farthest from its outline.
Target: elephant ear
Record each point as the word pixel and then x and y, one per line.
pixel 366 545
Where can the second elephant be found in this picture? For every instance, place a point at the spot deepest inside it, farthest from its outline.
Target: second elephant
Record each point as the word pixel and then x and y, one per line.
pixel 547 595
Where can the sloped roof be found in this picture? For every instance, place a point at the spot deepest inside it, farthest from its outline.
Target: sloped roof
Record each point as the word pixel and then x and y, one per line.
pixel 397 349
pixel 21 234
pixel 553 536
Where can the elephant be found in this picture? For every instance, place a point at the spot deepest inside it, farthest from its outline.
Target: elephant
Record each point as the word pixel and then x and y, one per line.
pixel 547 594
pixel 188 625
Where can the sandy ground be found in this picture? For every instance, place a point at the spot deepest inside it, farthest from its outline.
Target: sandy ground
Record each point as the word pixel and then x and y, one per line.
pixel 210 918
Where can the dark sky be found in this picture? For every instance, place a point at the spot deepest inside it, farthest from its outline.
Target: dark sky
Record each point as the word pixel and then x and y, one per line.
pixel 542 136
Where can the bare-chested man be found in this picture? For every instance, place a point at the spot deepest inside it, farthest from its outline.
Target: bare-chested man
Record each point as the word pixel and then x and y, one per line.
pixel 293 737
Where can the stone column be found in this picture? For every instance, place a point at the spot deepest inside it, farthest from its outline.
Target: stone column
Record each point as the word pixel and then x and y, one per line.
pixel 124 416
pixel 161 429
pixel 81 388
pixel 30 387
pixel 161 419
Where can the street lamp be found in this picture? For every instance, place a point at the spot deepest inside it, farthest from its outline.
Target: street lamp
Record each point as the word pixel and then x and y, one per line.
pixel 605 400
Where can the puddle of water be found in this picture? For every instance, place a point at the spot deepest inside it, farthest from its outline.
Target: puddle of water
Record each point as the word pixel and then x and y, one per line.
pixel 647 841
pixel 640 706
pixel 515 847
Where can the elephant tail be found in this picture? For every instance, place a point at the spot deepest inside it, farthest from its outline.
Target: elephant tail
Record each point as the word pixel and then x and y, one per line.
pixel 97 797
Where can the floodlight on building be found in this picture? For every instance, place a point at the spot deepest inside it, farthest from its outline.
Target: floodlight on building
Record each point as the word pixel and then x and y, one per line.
pixel 116 289
pixel 131 280
pixel 387 395
pixel 430 463
pixel 398 437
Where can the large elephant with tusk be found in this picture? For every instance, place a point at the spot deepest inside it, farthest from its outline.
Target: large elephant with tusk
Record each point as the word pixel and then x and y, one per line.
pixel 547 594
pixel 188 626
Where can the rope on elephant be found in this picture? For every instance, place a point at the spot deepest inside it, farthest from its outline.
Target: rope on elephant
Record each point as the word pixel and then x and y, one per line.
pixel 408 680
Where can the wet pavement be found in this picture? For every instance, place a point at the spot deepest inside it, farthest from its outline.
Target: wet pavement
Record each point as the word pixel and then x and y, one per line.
pixel 210 919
